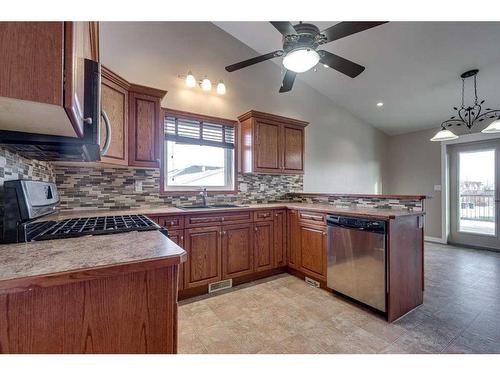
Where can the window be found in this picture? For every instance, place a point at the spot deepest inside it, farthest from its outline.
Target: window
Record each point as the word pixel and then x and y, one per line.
pixel 199 152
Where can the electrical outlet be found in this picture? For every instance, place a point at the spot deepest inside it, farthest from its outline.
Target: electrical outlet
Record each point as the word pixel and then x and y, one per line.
pixel 138 186
pixel 437 187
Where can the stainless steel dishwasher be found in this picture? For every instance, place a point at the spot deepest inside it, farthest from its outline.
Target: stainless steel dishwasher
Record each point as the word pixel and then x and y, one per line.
pixel 357 259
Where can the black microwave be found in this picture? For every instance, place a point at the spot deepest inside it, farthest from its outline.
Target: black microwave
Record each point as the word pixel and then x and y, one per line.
pixel 60 148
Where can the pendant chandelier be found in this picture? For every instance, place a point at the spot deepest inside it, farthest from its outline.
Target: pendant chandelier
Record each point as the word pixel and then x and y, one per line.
pixel 469 115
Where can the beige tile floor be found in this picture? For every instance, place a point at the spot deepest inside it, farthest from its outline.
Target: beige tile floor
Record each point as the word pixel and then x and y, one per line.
pixel 282 314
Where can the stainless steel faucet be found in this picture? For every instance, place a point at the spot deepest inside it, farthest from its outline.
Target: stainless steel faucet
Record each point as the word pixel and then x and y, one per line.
pixel 203 194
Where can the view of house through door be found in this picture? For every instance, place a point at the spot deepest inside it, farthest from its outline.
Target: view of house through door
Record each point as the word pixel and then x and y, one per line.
pixel 474 185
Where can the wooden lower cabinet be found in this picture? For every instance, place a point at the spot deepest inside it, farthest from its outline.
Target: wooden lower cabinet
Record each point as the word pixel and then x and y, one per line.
pixel 113 313
pixel 203 265
pixel 263 246
pixel 313 250
pixel 178 237
pixel 237 250
pixel 293 237
pixel 280 240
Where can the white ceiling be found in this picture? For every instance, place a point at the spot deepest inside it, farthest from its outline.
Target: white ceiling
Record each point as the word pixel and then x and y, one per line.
pixel 413 67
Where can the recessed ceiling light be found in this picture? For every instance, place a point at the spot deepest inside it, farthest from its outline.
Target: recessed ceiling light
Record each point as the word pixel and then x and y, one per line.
pixel 380 104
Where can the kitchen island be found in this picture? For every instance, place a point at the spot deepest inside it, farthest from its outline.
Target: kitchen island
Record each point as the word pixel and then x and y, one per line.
pixel 92 294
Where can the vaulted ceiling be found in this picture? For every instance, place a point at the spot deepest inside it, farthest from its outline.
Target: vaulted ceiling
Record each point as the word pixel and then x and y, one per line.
pixel 412 67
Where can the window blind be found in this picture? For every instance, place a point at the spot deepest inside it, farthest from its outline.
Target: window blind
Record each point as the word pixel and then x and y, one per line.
pixel 184 130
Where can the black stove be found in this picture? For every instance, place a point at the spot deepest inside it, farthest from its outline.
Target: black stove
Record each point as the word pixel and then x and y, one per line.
pixel 51 230
pixel 26 202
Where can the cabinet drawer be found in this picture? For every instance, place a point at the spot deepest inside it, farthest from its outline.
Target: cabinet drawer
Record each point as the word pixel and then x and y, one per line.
pixel 263 215
pixel 218 218
pixel 311 217
pixel 171 222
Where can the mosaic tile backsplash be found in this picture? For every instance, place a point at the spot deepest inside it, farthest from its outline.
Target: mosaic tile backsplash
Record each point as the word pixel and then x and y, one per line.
pixel 346 201
pixel 122 188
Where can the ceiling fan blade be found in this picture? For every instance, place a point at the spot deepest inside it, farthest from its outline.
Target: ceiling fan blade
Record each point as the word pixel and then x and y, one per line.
pixel 284 27
pixel 344 66
pixel 288 81
pixel 253 60
pixel 343 29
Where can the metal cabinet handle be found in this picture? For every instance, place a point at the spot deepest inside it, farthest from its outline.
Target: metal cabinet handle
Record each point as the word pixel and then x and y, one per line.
pixel 107 143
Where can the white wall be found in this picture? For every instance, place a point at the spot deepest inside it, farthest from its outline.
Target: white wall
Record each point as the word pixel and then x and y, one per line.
pixel 414 167
pixel 343 154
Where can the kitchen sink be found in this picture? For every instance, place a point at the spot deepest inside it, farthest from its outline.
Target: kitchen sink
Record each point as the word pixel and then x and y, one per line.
pixel 201 206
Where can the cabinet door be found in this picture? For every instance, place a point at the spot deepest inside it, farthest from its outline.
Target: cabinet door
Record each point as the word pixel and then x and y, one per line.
pixel 313 250
pixel 178 237
pixel 115 104
pixel 144 130
pixel 293 240
pixel 237 250
pixel 32 58
pixel 78 47
pixel 267 147
pixel 203 246
pixel 280 238
pixel 293 149
pixel 263 245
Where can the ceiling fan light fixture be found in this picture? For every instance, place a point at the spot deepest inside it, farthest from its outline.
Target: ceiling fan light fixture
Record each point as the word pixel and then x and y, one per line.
pixel 444 135
pixel 494 127
pixel 301 60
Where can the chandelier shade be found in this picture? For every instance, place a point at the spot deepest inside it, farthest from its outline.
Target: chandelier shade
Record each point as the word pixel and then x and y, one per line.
pixel 444 135
pixel 469 115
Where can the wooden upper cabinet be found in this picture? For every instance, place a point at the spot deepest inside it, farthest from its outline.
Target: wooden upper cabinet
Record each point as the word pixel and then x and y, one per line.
pixel 271 143
pixel 145 126
pixel 267 146
pixel 237 250
pixel 42 75
pixel 114 96
pixel 293 149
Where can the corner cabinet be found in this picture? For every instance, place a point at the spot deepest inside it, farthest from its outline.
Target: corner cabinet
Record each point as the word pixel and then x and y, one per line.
pixel 134 113
pixel 271 143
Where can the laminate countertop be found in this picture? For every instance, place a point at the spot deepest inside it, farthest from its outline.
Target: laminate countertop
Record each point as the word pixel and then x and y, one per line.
pixel 42 263
pixel 357 211
pixel 45 263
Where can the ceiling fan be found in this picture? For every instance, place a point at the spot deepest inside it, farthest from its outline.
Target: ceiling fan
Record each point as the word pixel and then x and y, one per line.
pixel 300 44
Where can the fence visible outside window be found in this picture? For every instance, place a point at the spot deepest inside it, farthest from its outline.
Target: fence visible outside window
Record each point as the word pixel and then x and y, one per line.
pixel 199 152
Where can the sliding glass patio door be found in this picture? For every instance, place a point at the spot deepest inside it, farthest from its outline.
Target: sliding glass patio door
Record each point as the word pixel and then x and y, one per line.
pixel 474 194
